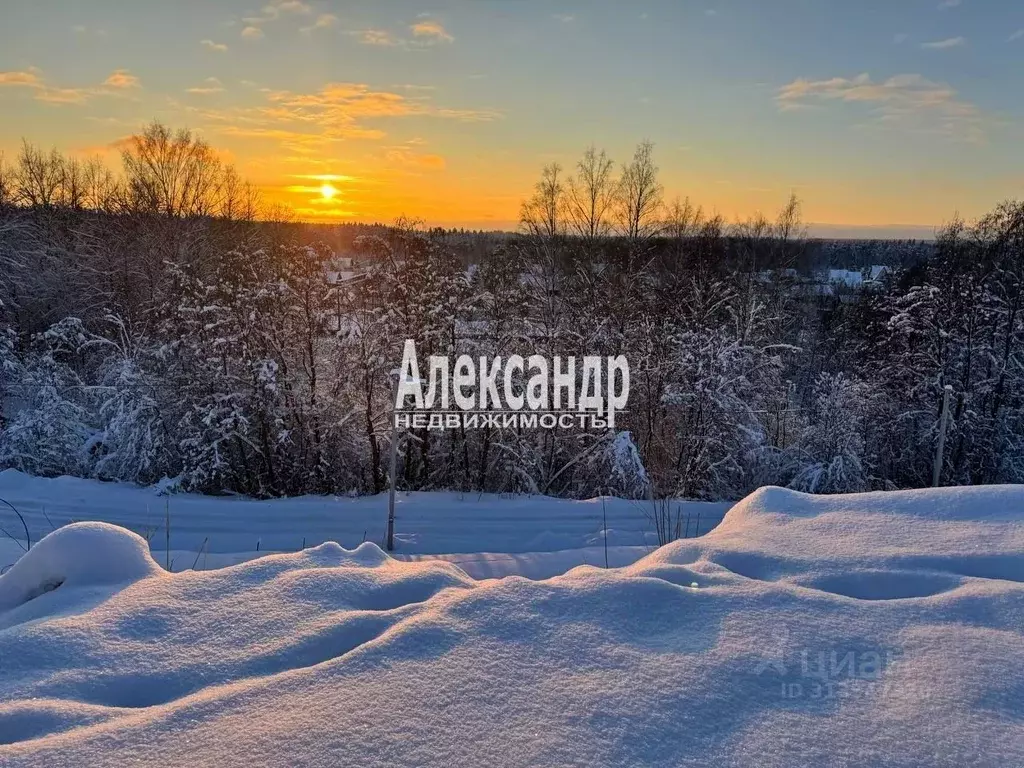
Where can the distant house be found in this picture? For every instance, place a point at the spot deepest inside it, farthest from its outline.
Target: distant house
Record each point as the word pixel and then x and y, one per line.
pixel 845 283
pixel 878 272
pixel 334 277
pixel 845 277
pixel 342 269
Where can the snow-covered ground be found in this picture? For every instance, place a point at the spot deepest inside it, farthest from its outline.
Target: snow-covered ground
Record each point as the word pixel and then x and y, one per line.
pixel 862 630
pixel 486 535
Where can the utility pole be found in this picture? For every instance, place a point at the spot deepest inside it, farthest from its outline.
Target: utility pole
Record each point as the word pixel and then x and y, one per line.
pixel 943 420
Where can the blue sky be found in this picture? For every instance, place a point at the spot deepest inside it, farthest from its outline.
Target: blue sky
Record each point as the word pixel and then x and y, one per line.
pixel 876 113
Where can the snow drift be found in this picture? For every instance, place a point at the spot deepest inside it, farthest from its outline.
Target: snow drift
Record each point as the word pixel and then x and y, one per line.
pixel 75 556
pixel 875 630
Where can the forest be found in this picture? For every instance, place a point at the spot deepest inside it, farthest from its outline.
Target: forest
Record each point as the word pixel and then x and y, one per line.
pixel 160 325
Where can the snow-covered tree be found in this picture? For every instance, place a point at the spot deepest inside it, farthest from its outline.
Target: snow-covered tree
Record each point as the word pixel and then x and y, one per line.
pixel 829 453
pixel 134 442
pixel 50 430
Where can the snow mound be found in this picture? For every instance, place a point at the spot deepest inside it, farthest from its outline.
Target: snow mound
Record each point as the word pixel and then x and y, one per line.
pixel 990 503
pixel 807 631
pixel 926 541
pixel 77 555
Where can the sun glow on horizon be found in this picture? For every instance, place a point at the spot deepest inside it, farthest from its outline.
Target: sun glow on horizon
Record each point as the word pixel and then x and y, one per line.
pixel 327 191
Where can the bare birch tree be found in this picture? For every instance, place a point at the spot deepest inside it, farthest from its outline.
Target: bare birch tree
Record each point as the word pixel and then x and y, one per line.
pixel 542 214
pixel 590 198
pixel 639 195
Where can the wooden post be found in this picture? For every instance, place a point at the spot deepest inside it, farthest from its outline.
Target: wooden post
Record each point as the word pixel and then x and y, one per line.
pixel 391 484
pixel 389 542
pixel 167 539
pixel 940 446
pixel 604 518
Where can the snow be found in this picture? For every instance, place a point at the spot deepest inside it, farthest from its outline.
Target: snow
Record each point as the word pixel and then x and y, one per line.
pixel 77 555
pixel 784 536
pixel 867 630
pixel 546 535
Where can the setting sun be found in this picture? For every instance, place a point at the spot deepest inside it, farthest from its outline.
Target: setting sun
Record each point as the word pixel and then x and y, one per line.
pixel 327 192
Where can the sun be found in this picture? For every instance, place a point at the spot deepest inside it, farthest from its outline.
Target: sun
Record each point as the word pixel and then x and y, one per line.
pixel 327 192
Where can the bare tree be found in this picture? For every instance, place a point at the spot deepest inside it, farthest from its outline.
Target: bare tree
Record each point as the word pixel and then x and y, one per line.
pixel 789 224
pixel 639 195
pixel 38 176
pixel 101 187
pixel 681 225
pixel 541 214
pixel 72 184
pixel 174 174
pixel 790 233
pixel 239 200
pixel 591 196
pixel 6 183
pixel 682 219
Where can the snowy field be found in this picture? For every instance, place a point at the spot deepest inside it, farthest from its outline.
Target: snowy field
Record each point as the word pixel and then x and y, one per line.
pixel 861 630
pixel 485 535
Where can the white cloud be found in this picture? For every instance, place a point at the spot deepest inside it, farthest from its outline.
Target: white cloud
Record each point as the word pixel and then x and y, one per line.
pixel 424 33
pixel 116 85
pixel 432 31
pixel 948 4
pixel 1016 35
pixel 122 78
pixel 28 79
pixel 911 102
pixel 900 37
pixel 212 46
pixel 276 9
pixel 323 21
pixel 375 37
pixel 939 45
pixel 291 6
pixel 252 33
pixel 210 85
pixel 565 18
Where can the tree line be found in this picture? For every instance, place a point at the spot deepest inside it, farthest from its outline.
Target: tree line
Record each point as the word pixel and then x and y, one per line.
pixel 157 327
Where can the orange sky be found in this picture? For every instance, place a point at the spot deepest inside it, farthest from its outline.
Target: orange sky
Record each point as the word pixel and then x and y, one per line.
pixel 900 117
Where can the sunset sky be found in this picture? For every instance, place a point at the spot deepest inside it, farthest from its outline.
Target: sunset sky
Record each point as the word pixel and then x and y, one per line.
pixel 876 112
